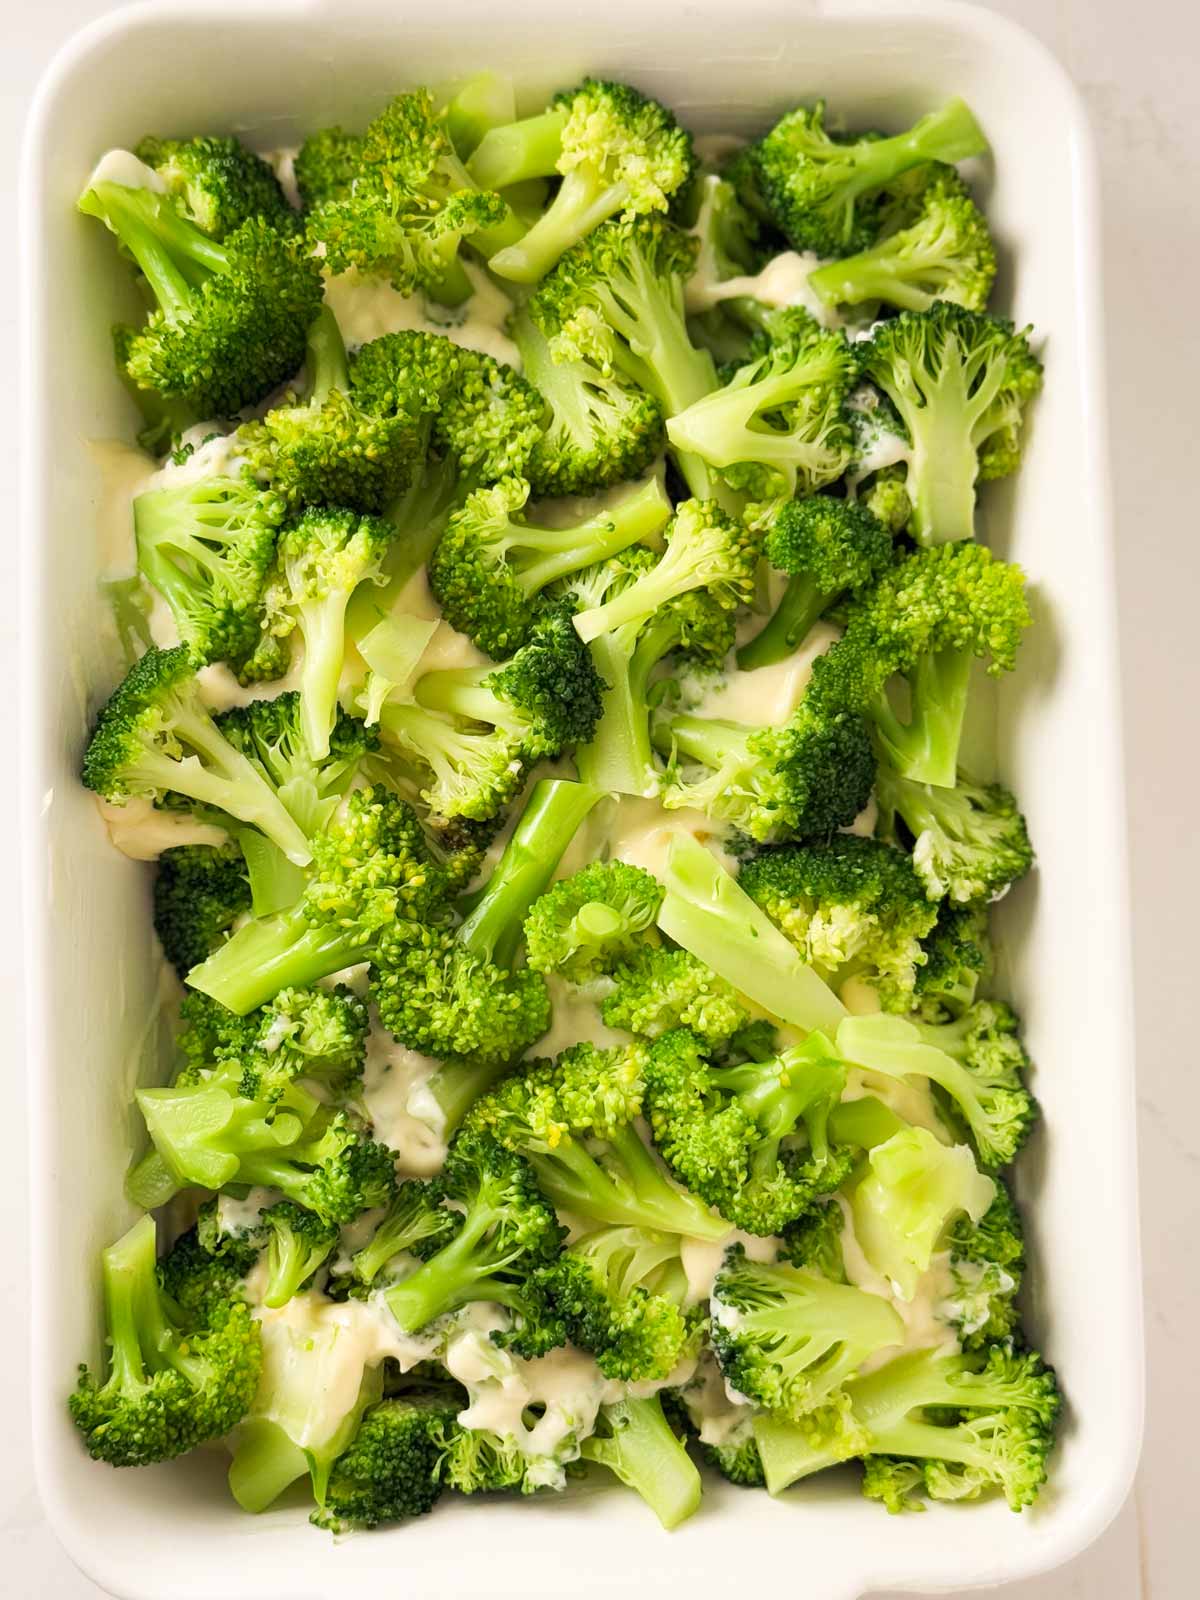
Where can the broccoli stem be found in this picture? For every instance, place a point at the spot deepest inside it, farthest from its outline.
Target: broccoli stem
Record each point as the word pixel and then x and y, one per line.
pixel 582 203
pixel 925 748
pixel 127 1269
pixel 526 149
pixel 265 1463
pixel 174 256
pixel 484 102
pixel 789 1450
pixel 420 515
pixel 706 912
pixel 801 606
pixel 456 1085
pixel 636 516
pixel 326 367
pixel 280 952
pixel 462 1271
pixel 323 626
pixel 645 1454
pixel 453 287
pixel 948 134
pixel 620 758
pixel 711 740
pixel 865 1123
pixel 634 1192
pixel 552 816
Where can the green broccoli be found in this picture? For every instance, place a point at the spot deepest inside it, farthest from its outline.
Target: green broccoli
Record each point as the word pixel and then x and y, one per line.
pixel 806 778
pixel 490 420
pixel 622 1292
pixel 230 318
pixel 207 547
pixel 657 989
pixel 321 559
pixel 779 423
pixel 200 891
pixel 936 247
pixel 588 924
pixel 599 429
pixel 822 191
pixel 507 1233
pixel 987 1262
pixel 903 1201
pixel 981 1080
pixel 635 1442
pixel 415 1220
pixel 491 565
pixel 851 906
pixel 298 1242
pixel 705 549
pixel 615 303
pixel 960 382
pixel 958 954
pixel 458 993
pixel 398 203
pixel 789 1340
pixel 514 152
pixel 175 1378
pixel 968 842
pixel 156 738
pixel 828 548
pixel 696 626
pixel 926 620
pixel 390 1471
pixel 573 1120
pixel 373 881
pixel 217 183
pixel 752 1140
pixel 325 444
pixel 318 1035
pixel 621 155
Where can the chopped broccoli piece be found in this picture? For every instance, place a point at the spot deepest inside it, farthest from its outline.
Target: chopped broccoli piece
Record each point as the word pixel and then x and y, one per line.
pixel 958 954
pixel 416 1221
pixel 968 843
pixel 270 734
pixel 587 925
pixel 390 1471
pixel 851 906
pixel 622 1292
pixel 200 891
pixel 217 183
pixel 658 989
pixel 298 1242
pixel 175 1377
pixel 635 1442
pixel 987 1262
pixel 621 155
pixel 230 318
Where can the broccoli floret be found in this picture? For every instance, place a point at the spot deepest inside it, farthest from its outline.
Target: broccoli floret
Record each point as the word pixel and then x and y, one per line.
pixel 507 1233
pixel 968 843
pixel 789 1340
pixel 634 1441
pixel 491 565
pixel 695 625
pixel 573 1120
pixel 710 914
pixel 815 1239
pixel 621 155
pixel 658 989
pixel 828 548
pixel 960 382
pixel 174 1379
pixel 981 1079
pixel 200 891
pixel 217 183
pixel 324 446
pixel 477 1461
pixel 912 1188
pixel 390 1472
pixel 705 549
pixel 822 190
pixel 598 429
pixel 462 771
pixel 616 303
pixel 229 319
pixel 155 737
pixel 270 734
pixel 752 1140
pixel 298 1242
pixel 736 1457
pixel 458 994
pixel 730 239
pixel 941 250
pixel 490 420
pixel 373 880
pixel 321 559
pixel 207 547
pixel 987 1263
pixel 925 620
pixel 398 202
pixel 622 1292
pixel 779 423
pixel 805 779
pixel 958 954
pixel 416 1221
pixel 851 906
pixel 315 1034
pixel 587 925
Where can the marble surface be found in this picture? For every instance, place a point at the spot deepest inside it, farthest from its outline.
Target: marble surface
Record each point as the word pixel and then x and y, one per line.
pixel 1137 68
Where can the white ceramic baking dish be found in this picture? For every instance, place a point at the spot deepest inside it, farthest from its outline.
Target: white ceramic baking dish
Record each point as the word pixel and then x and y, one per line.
pixel 270 69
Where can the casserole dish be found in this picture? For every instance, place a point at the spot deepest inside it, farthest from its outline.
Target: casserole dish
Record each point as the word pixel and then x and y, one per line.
pixel 267 69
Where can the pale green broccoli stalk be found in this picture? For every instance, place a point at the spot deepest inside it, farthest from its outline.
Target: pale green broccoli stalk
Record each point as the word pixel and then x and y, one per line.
pixel 517 151
pixel 969 843
pixel 635 1442
pixel 621 155
pixel 960 382
pixel 821 191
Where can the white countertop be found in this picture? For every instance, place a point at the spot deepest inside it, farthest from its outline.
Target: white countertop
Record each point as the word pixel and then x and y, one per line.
pixel 1137 67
